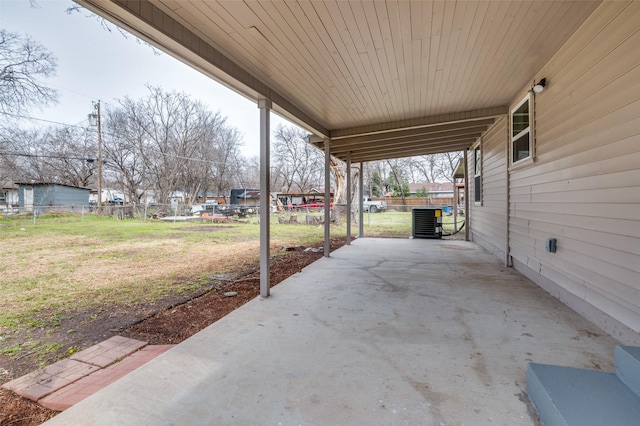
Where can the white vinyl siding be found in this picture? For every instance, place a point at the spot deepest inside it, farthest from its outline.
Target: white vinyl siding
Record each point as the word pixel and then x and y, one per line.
pixel 584 188
pixel 488 221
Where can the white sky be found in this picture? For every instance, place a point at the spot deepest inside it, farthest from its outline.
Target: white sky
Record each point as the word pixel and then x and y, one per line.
pixel 95 64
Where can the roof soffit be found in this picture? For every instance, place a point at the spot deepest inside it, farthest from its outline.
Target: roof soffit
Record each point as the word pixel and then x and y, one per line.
pixel 352 69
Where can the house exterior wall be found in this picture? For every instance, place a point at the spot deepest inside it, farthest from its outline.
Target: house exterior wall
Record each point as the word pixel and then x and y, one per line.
pixel 50 195
pixel 69 196
pixel 489 216
pixel 583 187
pixel 8 199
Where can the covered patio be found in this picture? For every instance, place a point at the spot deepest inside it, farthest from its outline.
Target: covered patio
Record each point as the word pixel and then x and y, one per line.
pixel 542 97
pixel 385 331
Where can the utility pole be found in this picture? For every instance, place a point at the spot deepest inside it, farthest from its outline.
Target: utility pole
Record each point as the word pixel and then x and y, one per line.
pixel 93 120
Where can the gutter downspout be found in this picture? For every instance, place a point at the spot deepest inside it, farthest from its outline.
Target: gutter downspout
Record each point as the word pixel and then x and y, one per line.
pixel 508 261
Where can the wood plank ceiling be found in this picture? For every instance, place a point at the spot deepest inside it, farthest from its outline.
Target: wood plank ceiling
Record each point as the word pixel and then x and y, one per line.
pixel 382 79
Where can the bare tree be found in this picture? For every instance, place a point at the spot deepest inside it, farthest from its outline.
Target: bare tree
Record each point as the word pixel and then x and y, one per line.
pixel 23 63
pixel 297 164
pixel 63 155
pixel 446 164
pixel 248 175
pixel 173 125
pixel 69 156
pixel 398 169
pixel 15 154
pixel 168 142
pixel 121 151
pixel 226 160
pixel 435 167
pixel 425 166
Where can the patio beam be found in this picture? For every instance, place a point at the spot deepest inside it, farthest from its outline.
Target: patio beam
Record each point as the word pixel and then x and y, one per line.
pixel 457 117
pixel 412 152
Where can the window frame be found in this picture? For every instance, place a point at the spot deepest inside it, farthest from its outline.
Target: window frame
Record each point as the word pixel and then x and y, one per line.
pixel 528 130
pixel 477 173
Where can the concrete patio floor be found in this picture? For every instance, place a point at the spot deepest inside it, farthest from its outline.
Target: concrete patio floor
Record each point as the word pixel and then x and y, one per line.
pixel 386 331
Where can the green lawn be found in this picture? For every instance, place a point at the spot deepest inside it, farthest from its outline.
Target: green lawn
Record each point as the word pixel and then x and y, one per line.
pixel 67 262
pixel 398 224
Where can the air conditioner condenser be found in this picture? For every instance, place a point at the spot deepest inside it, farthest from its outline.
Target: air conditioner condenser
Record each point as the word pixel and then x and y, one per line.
pixel 426 222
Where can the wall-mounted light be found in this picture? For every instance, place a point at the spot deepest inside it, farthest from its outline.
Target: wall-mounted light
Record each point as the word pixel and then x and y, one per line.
pixel 539 86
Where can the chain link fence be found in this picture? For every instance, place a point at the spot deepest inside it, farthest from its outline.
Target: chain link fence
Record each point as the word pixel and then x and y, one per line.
pixel 395 221
pixel 75 212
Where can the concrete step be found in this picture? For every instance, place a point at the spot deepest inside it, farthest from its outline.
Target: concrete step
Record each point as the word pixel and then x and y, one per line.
pixel 627 359
pixel 577 397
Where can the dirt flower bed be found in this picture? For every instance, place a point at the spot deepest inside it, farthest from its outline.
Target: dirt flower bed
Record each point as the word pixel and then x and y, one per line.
pixel 166 322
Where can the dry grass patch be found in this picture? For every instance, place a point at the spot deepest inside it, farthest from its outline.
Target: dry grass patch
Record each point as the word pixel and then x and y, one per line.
pixel 131 271
pixel 60 267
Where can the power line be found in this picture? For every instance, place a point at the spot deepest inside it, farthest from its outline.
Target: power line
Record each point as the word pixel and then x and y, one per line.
pixel 113 135
pixel 42 119
pixel 60 157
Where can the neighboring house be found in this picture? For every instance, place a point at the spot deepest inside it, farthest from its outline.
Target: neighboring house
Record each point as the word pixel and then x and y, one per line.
pixel 244 197
pixel 211 197
pixel 248 198
pixel 178 197
pixel 8 197
pixel 40 197
pixel 434 190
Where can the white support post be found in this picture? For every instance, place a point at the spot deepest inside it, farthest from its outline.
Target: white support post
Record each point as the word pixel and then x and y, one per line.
pixel 467 213
pixel 265 185
pixel 455 206
pixel 327 197
pixel 361 201
pixel 349 199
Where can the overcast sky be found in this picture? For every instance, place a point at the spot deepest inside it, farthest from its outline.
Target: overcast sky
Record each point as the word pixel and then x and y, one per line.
pixel 95 64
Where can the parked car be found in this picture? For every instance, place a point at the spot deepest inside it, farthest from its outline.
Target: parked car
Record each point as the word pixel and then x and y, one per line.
pixel 369 205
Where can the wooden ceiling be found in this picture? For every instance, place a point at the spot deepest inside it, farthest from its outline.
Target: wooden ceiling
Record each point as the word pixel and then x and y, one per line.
pixel 382 79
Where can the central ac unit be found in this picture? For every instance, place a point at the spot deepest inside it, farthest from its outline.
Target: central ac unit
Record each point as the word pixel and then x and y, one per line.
pixel 426 222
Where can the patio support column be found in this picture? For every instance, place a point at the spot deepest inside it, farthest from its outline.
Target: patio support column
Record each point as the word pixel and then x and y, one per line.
pixel 361 201
pixel 349 198
pixel 455 206
pixel 327 196
pixel 265 184
pixel 467 222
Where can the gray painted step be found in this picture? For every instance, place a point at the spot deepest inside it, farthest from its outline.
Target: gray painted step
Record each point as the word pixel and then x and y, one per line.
pixel 627 360
pixel 577 397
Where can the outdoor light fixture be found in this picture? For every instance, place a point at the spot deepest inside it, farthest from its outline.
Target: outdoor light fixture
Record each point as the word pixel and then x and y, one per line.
pixel 539 86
